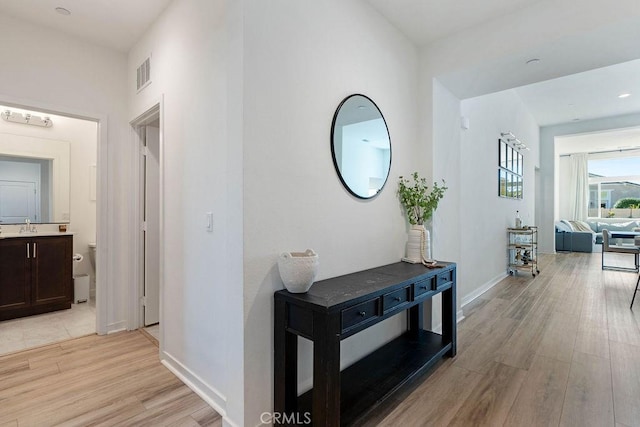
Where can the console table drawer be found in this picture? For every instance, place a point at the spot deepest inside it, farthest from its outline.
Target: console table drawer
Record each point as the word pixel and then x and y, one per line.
pixel 423 286
pixel 444 278
pixel 360 313
pixel 394 299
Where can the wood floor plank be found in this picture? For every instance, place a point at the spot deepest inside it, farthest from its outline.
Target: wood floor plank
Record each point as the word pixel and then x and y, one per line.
pixel 589 395
pixel 169 412
pixel 486 349
pixel 112 414
pixel 520 349
pixel 625 360
pixel 491 399
pixel 560 336
pixel 541 397
pixel 623 323
pixel 485 316
pixel 207 417
pixel 593 341
pixel 436 401
pixel 110 389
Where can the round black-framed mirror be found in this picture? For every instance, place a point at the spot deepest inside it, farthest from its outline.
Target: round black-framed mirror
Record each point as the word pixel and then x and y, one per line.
pixel 361 146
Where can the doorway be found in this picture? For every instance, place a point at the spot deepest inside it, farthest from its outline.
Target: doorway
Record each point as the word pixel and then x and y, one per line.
pixel 45 179
pixel 148 131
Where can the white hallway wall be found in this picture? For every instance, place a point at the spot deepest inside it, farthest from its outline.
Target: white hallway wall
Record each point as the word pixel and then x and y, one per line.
pixel 194 69
pixel 44 69
pixel 485 215
pixel 301 60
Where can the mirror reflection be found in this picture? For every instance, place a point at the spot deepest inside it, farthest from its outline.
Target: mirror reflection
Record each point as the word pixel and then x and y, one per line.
pixel 34 180
pixel 361 146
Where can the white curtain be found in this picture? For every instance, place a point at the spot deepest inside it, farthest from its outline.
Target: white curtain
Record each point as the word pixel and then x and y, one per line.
pixel 579 186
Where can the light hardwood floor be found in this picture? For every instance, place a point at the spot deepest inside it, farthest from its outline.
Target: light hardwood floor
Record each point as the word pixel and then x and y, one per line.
pixel 114 380
pixel 562 349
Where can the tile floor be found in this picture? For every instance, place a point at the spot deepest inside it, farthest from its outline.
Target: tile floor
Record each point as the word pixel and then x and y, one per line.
pixel 35 331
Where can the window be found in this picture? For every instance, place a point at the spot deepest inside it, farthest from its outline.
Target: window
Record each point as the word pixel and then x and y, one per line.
pixel 510 168
pixel 612 178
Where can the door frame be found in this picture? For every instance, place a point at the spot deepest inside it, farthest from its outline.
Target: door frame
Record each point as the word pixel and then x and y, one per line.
pixel 103 280
pixel 136 318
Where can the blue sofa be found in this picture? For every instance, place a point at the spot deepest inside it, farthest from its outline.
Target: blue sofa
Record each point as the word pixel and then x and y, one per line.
pixel 570 239
pixel 572 235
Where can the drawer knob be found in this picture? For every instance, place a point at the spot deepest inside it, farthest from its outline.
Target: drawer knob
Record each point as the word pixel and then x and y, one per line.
pixel 398 299
pixel 423 287
pixel 363 313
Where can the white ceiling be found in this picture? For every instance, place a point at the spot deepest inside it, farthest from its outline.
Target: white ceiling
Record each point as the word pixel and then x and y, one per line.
pixel 621 139
pixel 583 96
pixel 425 21
pixel 117 24
pixel 120 23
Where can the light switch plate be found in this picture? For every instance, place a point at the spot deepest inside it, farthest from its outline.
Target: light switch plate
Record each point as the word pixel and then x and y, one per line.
pixel 209 217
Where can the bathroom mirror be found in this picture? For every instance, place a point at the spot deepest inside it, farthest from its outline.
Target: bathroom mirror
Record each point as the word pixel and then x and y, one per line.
pixel 34 180
pixel 361 146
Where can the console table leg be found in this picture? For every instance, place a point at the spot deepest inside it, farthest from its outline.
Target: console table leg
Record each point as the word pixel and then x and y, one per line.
pixel 285 364
pixel 449 326
pixel 415 320
pixel 326 370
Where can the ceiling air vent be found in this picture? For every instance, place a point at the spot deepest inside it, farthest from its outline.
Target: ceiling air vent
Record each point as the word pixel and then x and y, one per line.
pixel 143 75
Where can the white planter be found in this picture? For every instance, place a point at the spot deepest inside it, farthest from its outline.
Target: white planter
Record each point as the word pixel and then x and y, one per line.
pixel 298 270
pixel 418 244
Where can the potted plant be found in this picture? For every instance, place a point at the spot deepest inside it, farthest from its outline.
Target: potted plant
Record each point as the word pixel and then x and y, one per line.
pixel 419 203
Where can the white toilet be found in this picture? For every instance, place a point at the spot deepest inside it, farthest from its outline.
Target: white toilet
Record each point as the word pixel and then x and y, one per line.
pixel 92 259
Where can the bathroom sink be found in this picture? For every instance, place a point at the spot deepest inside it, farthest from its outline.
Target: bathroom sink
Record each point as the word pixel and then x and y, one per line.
pixel 9 235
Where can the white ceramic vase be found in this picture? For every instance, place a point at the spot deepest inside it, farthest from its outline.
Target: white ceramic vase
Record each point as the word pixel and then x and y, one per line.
pixel 418 244
pixel 298 270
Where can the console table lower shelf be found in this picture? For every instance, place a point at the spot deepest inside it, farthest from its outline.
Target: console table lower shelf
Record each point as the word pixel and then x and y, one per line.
pixel 370 381
pixel 337 308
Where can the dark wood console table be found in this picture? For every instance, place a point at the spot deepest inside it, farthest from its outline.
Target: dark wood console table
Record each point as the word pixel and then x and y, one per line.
pixel 337 308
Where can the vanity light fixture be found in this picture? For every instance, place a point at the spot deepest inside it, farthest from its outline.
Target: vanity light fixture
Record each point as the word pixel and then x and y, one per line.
pixel 26 119
pixel 515 142
pixel 624 95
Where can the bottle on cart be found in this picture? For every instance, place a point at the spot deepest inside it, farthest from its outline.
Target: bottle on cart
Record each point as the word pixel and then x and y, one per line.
pixel 518 220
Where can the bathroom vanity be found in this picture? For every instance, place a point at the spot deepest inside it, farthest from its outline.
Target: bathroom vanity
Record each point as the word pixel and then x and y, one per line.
pixel 35 274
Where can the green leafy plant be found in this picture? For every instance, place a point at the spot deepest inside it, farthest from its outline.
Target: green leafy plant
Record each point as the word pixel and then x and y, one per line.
pixel 627 203
pixel 417 201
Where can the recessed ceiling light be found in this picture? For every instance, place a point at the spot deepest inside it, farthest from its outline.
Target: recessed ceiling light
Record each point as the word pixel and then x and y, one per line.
pixel 63 11
pixel 533 61
pixel 624 95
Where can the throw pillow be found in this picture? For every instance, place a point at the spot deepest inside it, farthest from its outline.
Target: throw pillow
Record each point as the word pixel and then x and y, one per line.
pixel 580 226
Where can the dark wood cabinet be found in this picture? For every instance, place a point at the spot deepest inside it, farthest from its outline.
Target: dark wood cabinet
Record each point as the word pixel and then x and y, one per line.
pixel 337 308
pixel 15 275
pixel 35 275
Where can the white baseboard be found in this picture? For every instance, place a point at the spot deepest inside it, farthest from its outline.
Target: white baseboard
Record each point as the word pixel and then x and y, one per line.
pixel 459 318
pixel 210 395
pixel 482 289
pixel 114 327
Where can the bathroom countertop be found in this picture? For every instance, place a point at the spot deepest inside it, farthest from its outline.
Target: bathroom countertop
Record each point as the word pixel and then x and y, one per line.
pixel 37 234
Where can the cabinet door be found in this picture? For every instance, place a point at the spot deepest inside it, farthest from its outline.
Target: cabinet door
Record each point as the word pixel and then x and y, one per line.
pixel 15 280
pixel 51 275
